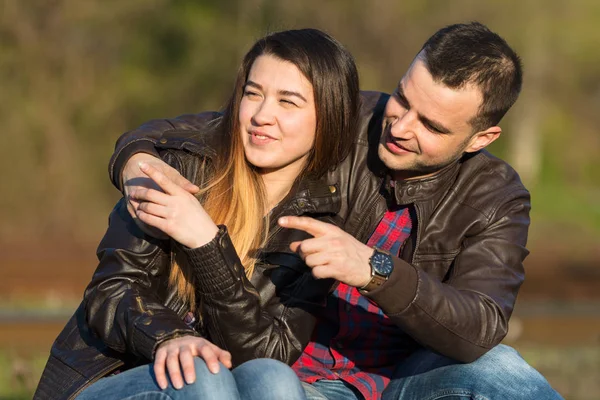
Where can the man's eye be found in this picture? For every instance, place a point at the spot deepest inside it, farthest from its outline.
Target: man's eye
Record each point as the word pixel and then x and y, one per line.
pixel 432 128
pixel 401 100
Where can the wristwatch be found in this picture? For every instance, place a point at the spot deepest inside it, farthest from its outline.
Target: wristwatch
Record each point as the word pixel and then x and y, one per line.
pixel 382 266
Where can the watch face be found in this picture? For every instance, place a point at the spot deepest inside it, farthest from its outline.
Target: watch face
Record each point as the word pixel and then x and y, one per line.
pixel 382 263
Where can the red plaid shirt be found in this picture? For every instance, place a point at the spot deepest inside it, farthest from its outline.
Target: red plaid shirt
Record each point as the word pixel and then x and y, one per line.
pixel 354 340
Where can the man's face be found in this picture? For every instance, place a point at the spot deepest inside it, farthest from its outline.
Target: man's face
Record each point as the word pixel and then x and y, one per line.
pixel 426 124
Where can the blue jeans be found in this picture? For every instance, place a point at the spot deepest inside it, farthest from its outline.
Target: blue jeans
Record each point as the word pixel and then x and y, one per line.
pixel 499 374
pixel 254 380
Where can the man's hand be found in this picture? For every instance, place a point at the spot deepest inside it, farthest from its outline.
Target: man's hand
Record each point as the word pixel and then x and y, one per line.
pixel 175 212
pixel 134 179
pixel 331 253
pixel 178 354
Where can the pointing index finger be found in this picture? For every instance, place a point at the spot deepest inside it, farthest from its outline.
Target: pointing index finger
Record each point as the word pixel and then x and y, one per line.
pixel 306 224
pixel 161 179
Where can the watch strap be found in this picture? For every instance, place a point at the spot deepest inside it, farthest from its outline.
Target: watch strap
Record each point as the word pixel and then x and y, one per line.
pixel 376 279
pixel 374 283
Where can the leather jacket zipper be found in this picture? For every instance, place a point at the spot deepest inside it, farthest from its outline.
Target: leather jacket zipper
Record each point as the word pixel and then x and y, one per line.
pixel 370 208
pixel 418 239
pixel 139 302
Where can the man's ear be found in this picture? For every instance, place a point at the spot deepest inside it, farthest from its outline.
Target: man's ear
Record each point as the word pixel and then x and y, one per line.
pixel 482 139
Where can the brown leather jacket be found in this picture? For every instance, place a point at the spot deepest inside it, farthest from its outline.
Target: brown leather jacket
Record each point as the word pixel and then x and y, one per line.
pixel 452 290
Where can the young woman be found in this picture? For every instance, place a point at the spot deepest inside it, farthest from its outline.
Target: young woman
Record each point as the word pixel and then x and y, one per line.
pixel 224 287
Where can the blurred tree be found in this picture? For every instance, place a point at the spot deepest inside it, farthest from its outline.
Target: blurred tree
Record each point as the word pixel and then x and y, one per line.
pixel 76 73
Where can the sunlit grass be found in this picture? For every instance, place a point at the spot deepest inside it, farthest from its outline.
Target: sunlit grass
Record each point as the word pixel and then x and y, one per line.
pixel 19 374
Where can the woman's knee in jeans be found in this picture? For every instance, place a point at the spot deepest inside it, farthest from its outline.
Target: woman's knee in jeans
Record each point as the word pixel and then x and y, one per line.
pixel 267 378
pixel 140 382
pixel 206 383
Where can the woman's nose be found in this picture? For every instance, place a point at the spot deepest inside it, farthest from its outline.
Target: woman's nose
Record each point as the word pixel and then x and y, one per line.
pixel 264 115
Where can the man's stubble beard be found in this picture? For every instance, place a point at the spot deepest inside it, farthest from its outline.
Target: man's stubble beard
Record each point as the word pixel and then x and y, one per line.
pixel 413 169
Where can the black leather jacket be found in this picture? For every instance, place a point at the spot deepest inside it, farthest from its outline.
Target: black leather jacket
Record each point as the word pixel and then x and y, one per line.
pixel 128 308
pixel 453 287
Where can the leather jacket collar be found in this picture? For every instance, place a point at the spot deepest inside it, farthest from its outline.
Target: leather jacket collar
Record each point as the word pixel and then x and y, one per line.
pixel 422 189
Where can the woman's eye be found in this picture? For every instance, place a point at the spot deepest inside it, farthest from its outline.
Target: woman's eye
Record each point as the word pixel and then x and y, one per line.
pixel 250 93
pixel 287 102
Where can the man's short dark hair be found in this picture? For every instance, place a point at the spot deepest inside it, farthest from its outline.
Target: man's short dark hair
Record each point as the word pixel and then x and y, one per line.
pixel 463 54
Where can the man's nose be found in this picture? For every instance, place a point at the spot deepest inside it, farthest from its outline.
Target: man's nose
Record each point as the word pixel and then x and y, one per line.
pixel 402 125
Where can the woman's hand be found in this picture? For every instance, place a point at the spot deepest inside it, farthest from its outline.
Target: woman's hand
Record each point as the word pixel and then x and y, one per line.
pixel 178 354
pixel 176 212
pixel 133 178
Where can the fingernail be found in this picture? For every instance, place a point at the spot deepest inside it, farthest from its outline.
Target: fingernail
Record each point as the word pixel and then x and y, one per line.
pixel 143 166
pixel 282 220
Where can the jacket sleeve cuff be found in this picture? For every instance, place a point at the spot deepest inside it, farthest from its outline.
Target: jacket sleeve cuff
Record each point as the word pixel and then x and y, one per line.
pixel 147 338
pixel 399 291
pixel 216 265
pixel 120 158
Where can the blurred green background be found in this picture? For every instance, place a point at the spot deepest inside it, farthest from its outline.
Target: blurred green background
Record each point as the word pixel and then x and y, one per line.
pixel 75 74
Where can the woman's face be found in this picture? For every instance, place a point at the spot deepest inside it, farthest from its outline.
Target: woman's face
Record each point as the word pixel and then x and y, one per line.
pixel 278 118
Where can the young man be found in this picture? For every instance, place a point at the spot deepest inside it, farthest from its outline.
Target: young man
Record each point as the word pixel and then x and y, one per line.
pixel 421 308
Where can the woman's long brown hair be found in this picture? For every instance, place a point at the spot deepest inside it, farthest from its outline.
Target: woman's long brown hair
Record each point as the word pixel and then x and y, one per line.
pixel 235 196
